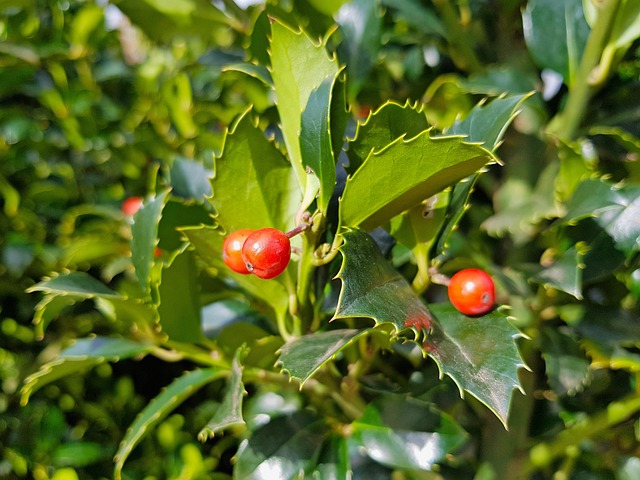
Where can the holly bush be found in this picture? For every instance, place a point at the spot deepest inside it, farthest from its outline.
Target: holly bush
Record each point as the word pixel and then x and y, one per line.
pixel 401 141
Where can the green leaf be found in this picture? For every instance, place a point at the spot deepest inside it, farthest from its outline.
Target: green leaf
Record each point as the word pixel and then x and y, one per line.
pixel 361 25
pixel 403 174
pixel 420 224
pixel 487 123
pixel 566 365
pixel 333 462
pixel 615 208
pixel 322 129
pixel 177 214
pixel 156 410
pixel 407 433
pixel 305 355
pixel 48 309
pixel 390 122
pixel 479 354
pixel 285 448
pixel 179 299
pixel 625 139
pixel 419 16
pixel 75 284
pixel 372 288
pixel 556 32
pixel 78 454
pixel 457 205
pixel 145 237
pixel 229 413
pixel 190 179
pixel 256 71
pixel 298 67
pixel 254 186
pixel 81 356
pixel 565 274
pixel 208 244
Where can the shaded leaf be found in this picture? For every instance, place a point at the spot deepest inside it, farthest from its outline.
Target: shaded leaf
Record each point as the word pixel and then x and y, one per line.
pixel 80 357
pixel 372 288
pixel 567 367
pixel 403 174
pixel 479 354
pixel 407 433
pixel 74 284
pixel 303 356
pixel 457 204
pixel 390 122
pixel 254 185
pixel 285 448
pixel 158 408
pixel 256 71
pixel 333 462
pixel 418 15
pixel 420 224
pixel 229 413
pixel 190 179
pixel 565 274
pixel 298 66
pixel 50 307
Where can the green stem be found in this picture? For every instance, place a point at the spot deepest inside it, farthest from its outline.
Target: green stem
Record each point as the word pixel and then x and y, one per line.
pixel 422 280
pixel 566 123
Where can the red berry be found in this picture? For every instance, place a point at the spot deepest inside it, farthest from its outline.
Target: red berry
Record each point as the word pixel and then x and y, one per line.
pixel 232 250
pixel 267 252
pixel 472 291
pixel 131 205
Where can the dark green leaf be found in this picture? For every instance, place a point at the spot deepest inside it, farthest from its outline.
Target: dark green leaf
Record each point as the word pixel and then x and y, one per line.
pixel 361 25
pixel 610 326
pixel 407 433
pixel 303 356
pixel 145 237
pixel 566 364
pixel 285 448
pixel 256 71
pixel 457 205
pixel 403 174
pixel 177 214
pixel 388 123
pixel 156 410
pixel 372 288
pixel 420 16
pixel 316 137
pixel 420 224
pixel 179 299
pixel 333 461
pixel 565 274
pixel 254 186
pixel 229 413
pixel 556 33
pixel 49 308
pixel 479 354
pixel 298 67
pixel 190 179
pixel 75 284
pixel 78 454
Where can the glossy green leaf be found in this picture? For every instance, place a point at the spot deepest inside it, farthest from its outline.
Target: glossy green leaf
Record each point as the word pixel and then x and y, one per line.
pixel 254 185
pixel 390 122
pixel 478 353
pixel 303 356
pixel 403 174
pixel 361 24
pixel 321 123
pixel 407 433
pixel 190 179
pixel 298 67
pixel 208 244
pixel 75 284
pixel 556 32
pixel 177 214
pixel 285 448
pixel 145 237
pixel 566 365
pixel 565 274
pixel 615 208
pixel 80 357
pixel 487 123
pixel 158 408
pixel 256 71
pixel 179 299
pixel 229 413
pixel 333 462
pixel 457 205
pixel 611 326
pixel 372 288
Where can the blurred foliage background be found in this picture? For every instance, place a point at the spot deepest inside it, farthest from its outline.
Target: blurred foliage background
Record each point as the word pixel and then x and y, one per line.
pixel 101 100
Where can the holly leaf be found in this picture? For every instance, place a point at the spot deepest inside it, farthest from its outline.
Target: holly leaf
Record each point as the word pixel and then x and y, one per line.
pixel 479 354
pixel 390 122
pixel 564 274
pixel 179 299
pixel 333 462
pixel 566 364
pixel 254 185
pixel 305 355
pixel 158 408
pixel 298 67
pixel 74 284
pixel 321 135
pixel 285 448
pixel 403 174
pixel 556 33
pixel 372 288
pixel 84 354
pixel 419 16
pixel 229 413
pixel 407 433
pixel 190 179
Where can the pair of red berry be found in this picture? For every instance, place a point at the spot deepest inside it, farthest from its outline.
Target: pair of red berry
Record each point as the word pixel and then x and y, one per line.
pixel 265 252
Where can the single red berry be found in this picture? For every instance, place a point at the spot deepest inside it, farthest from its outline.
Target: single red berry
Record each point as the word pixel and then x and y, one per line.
pixel 267 252
pixel 232 250
pixel 472 291
pixel 131 205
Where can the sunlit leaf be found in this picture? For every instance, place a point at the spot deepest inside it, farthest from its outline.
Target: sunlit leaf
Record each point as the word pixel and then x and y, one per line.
pixel 75 284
